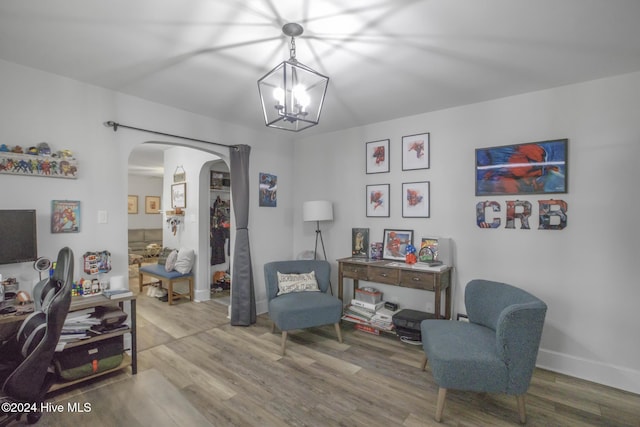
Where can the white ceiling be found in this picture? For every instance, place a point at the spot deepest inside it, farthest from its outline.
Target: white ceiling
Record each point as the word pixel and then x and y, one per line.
pixel 385 58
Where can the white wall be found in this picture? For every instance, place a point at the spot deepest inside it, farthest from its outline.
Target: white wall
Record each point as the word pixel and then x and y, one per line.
pixel 143 186
pixel 38 106
pixel 586 273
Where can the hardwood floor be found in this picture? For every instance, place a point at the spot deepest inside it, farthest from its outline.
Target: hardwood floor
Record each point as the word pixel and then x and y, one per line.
pixel 194 369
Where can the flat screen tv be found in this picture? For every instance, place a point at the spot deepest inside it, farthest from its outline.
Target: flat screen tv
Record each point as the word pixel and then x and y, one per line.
pixel 18 238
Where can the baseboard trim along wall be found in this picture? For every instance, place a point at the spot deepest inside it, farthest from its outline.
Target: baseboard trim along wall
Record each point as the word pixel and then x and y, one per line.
pixel 597 372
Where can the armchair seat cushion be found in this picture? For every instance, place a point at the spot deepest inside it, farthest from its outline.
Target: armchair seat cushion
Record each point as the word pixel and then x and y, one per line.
pixel 463 356
pixel 300 310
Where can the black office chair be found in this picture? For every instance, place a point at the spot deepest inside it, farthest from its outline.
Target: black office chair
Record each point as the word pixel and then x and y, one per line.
pixel 26 372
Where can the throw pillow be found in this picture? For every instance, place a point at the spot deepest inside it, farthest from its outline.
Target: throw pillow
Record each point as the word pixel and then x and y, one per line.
pixel 162 258
pixel 185 260
pixel 170 265
pixel 297 283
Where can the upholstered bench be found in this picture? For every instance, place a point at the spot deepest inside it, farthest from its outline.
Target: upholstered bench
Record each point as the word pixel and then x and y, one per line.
pixel 159 272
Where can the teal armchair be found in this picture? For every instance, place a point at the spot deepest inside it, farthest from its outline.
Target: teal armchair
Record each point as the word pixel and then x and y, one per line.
pixel 495 352
pixel 301 310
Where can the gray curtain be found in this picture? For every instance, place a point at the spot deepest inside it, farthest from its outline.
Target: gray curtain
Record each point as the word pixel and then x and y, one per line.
pixel 243 298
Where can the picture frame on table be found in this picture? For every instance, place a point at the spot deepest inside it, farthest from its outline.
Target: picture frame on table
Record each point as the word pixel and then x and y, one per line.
pixel 360 242
pixel 416 152
pixel 152 204
pixel 394 243
pixel 377 156
pixel 377 200
pixel 416 199
pixel 179 195
pixel 529 168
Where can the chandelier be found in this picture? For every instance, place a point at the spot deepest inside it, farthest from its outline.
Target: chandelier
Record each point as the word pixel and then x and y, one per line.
pixel 292 94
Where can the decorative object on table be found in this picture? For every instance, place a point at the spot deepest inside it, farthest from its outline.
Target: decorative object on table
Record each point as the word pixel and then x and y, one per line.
pixel 377 197
pixel 410 257
pixel 318 210
pixel 428 250
pixel 415 152
pixel 152 204
pixel 359 242
pixel 97 262
pixel 268 186
pixel 376 251
pixel 395 243
pixel 377 156
pixel 415 203
pixel 132 204
pixel 530 168
pixel 65 216
pixel 180 175
pixel 292 94
pixel 179 195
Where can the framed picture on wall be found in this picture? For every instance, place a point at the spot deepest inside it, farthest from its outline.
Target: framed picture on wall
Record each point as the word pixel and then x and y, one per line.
pixel 179 195
pixel 65 216
pixel 377 156
pixel 415 199
pixel 394 244
pixel 530 168
pixel 132 204
pixel 415 151
pixel 152 204
pixel 377 197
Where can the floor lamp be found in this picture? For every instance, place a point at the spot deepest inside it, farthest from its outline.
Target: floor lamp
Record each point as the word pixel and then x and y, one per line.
pixel 318 210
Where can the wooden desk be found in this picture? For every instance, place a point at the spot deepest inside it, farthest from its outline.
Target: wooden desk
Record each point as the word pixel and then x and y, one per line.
pixel 402 275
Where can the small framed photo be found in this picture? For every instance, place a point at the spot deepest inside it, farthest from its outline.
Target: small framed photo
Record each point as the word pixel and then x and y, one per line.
pixel 415 199
pixel 152 205
pixel 268 186
pixel 415 151
pixel 378 156
pixel 395 244
pixel 132 204
pixel 65 216
pixel 360 242
pixel 377 200
pixel 179 195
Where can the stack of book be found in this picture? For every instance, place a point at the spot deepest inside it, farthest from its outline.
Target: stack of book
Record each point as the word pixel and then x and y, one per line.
pixel 77 325
pixel 368 317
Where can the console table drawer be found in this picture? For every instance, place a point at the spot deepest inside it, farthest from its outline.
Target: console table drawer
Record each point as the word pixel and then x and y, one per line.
pixel 354 271
pixel 383 275
pixel 418 279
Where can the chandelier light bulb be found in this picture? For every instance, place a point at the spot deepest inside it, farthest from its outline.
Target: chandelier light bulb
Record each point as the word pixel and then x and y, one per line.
pixel 278 94
pixel 301 96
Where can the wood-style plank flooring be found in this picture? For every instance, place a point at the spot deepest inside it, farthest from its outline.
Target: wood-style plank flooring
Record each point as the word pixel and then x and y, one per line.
pixel 194 369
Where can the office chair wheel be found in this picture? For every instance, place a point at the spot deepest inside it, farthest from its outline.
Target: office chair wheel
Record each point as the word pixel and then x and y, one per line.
pixel 33 417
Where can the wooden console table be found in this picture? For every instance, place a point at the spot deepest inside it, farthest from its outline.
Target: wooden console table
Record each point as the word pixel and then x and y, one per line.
pixel 402 275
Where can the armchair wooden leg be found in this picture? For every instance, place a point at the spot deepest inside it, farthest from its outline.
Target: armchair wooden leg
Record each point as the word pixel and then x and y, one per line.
pixel 442 394
pixel 521 409
pixel 338 331
pixel 273 327
pixel 424 362
pixel 283 341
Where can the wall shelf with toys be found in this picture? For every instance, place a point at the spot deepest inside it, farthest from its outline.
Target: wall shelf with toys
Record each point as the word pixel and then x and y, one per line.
pixel 37 161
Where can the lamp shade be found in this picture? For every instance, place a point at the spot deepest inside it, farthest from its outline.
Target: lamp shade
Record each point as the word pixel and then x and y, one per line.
pixel 317 210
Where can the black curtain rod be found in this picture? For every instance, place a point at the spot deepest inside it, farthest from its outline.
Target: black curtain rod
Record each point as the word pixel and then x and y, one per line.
pixel 116 125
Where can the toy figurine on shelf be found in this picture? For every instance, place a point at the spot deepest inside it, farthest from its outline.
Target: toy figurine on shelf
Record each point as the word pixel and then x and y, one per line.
pixel 410 257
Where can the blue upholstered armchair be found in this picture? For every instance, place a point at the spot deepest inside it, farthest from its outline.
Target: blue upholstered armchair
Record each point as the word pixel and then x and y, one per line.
pixel 495 352
pixel 301 309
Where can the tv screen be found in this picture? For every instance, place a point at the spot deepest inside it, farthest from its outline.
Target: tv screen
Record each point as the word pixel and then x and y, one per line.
pixel 18 240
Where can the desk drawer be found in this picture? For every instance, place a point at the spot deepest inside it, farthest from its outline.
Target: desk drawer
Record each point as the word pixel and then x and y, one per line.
pixel 355 271
pixel 418 279
pixel 383 275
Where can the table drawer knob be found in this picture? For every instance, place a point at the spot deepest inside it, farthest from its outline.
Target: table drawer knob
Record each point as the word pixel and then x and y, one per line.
pixel 415 279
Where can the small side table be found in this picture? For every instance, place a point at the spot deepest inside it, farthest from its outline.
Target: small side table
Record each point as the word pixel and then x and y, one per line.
pixel 152 250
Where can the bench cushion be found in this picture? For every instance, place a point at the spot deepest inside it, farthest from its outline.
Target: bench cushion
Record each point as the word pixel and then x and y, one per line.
pixel 159 270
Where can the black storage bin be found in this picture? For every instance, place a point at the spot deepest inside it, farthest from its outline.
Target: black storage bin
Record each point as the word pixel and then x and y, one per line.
pixel 89 359
pixel 407 323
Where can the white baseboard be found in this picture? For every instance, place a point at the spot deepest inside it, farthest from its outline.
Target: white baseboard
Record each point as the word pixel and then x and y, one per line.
pixel 201 295
pixel 597 372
